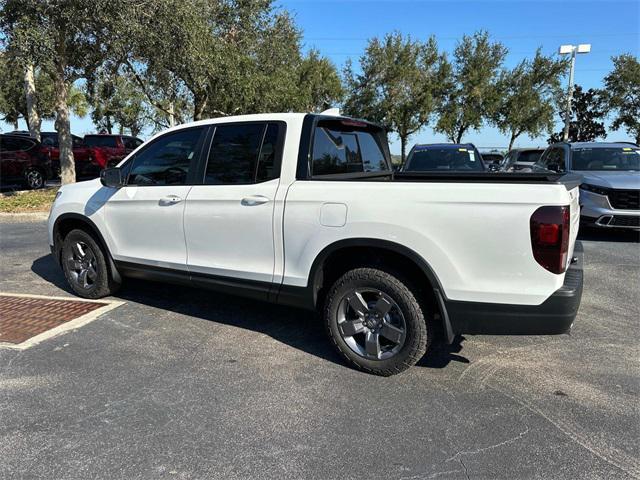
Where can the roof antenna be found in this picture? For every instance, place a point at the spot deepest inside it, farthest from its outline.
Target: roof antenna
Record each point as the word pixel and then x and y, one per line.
pixel 333 112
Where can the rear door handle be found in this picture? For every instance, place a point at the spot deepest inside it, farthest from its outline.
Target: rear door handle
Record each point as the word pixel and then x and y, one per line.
pixel 254 200
pixel 170 200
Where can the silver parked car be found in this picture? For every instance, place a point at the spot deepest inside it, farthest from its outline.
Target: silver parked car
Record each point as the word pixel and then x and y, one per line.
pixel 610 192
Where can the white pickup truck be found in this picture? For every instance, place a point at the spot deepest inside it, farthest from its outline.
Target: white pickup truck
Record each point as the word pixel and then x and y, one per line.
pixel 305 210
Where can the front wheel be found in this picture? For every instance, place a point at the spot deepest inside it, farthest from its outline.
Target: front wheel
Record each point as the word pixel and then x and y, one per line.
pixel 376 321
pixel 85 266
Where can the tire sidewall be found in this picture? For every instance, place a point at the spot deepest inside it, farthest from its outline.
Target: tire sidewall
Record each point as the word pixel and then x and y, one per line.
pixel 397 289
pixel 100 287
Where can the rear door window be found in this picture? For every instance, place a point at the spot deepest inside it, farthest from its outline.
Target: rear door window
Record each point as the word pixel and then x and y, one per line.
pixel 244 153
pixel 342 148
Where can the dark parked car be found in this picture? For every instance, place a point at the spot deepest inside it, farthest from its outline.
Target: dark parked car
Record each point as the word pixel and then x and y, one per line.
pixel 113 148
pixel 519 159
pixel 446 157
pixel 23 161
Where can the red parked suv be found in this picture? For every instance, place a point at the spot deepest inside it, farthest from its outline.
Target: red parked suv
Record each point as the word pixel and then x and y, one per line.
pixel 23 160
pixel 86 158
pixel 112 148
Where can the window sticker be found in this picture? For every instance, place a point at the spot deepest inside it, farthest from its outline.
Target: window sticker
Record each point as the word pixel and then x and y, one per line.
pixel 472 155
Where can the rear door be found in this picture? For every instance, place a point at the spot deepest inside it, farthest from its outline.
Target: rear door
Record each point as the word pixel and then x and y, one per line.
pixel 145 217
pixel 229 218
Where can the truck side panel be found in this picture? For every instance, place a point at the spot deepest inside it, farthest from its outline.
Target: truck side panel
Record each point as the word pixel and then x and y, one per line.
pixel 475 237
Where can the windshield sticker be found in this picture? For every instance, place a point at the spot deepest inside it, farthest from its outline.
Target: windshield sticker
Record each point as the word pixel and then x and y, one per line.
pixel 462 149
pixel 472 156
pixel 626 149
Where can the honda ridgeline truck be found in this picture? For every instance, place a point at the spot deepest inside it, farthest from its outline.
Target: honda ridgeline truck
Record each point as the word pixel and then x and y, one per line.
pixel 305 210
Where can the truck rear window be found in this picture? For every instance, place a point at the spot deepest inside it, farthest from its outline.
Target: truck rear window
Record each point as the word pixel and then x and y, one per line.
pixel 341 147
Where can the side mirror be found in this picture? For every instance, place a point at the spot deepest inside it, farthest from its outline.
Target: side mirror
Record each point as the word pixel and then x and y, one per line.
pixel 111 177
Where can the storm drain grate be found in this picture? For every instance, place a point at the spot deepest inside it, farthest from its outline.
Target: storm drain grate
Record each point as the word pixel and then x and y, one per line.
pixel 24 317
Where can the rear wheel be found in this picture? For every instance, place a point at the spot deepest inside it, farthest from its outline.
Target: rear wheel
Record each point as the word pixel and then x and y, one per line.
pixel 376 321
pixel 85 266
pixel 34 178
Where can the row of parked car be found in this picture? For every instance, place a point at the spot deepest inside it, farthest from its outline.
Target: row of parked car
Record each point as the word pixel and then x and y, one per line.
pixel 28 162
pixel 610 190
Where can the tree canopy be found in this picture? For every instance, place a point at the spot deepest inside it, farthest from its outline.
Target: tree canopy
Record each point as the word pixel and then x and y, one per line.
pixel 400 85
pixel 473 94
pixel 587 116
pixel 622 94
pixel 527 97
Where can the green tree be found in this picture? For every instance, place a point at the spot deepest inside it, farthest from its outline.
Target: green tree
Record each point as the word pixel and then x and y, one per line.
pixel 473 95
pixel 527 100
pixel 400 84
pixel 117 101
pixel 13 104
pixel 588 111
pixel 65 40
pixel 622 94
pixel 319 83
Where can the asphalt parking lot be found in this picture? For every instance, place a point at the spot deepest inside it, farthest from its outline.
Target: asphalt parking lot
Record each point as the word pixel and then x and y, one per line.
pixel 186 384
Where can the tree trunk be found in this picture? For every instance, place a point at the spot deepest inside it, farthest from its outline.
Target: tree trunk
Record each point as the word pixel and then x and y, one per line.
pixel 33 119
pixel 63 127
pixel 172 116
pixel 513 139
pixel 638 138
pixel 199 104
pixel 460 133
pixel 403 148
pixel 16 125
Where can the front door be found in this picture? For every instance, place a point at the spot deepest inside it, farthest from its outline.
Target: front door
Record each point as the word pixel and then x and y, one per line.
pixel 229 219
pixel 145 217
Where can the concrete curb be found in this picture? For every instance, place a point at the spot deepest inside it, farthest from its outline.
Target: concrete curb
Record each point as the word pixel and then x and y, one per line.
pixel 23 217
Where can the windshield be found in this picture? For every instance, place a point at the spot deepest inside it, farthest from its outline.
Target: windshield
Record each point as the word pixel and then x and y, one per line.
pixel 443 159
pixel 615 158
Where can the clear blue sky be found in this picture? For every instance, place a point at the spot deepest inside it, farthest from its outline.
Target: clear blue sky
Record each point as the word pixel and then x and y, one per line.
pixel 340 29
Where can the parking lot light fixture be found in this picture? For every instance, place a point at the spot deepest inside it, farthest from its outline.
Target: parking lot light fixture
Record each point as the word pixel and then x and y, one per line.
pixel 571 50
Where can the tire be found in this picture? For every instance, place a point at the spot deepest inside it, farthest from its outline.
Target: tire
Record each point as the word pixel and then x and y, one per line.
pixel 34 179
pixel 85 266
pixel 376 322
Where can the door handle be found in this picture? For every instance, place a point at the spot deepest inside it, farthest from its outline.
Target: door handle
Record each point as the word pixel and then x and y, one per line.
pixel 254 200
pixel 170 200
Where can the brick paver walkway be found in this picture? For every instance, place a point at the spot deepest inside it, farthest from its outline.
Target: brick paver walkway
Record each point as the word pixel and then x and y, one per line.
pixel 22 318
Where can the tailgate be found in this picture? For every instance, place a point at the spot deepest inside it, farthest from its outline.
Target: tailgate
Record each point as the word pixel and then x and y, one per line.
pixel 574 193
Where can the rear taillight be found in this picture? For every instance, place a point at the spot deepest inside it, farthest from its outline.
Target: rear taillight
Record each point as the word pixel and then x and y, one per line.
pixel 550 237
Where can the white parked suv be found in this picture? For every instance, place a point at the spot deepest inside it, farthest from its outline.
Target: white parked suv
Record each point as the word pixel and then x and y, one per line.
pixel 305 210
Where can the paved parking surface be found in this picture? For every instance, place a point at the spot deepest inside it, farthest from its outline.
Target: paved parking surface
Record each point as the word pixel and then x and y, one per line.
pixel 186 384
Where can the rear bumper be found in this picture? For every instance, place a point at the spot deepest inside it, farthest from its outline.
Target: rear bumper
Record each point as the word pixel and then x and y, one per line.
pixel 554 316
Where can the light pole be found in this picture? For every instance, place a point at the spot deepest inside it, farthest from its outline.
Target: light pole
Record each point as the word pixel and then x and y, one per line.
pixel 571 50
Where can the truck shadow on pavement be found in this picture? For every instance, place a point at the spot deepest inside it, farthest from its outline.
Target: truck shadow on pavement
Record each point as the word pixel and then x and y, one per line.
pixel 297 328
